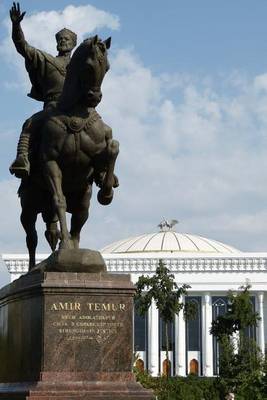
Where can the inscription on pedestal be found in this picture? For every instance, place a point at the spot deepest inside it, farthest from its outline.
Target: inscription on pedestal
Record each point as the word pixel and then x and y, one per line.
pixel 86 321
pixel 88 331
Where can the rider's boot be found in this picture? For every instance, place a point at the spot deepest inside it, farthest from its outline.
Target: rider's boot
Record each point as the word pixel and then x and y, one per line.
pixel 21 166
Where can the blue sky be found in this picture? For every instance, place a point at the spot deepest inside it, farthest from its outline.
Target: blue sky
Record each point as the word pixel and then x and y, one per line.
pixel 187 98
pixel 193 36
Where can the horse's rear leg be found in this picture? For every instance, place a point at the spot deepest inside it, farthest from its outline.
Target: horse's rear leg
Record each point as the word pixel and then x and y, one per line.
pixel 53 176
pixel 28 221
pixel 79 217
pixel 77 222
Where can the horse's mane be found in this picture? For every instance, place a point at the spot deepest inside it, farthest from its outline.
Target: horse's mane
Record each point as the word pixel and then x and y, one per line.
pixel 71 89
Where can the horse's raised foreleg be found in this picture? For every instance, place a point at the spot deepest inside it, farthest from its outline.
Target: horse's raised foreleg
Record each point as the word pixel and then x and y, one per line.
pixel 28 220
pixel 79 215
pixel 105 194
pixel 53 177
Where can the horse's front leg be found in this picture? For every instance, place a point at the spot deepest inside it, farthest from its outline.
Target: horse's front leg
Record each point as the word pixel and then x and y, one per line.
pixel 53 177
pixel 52 234
pixel 105 194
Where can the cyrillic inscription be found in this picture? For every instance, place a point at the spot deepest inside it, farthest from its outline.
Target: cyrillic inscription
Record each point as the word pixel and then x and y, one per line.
pixel 87 321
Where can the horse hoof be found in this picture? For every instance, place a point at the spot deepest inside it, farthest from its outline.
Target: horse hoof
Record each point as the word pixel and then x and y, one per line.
pixel 75 243
pixel 65 244
pixel 104 199
pixel 52 236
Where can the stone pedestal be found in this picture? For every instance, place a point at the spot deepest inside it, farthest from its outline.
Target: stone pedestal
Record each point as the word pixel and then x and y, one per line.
pixel 68 336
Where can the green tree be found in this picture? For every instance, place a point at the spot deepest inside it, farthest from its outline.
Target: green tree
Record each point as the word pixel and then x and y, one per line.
pixel 163 289
pixel 241 364
pixel 239 316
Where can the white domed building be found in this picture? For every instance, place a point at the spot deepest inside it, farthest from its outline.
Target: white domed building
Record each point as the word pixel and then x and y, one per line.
pixel 210 268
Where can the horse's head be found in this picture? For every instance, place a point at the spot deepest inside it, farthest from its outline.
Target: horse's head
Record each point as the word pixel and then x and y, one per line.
pixel 85 74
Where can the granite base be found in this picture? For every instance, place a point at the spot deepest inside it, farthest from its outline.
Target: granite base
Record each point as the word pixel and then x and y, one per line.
pixel 75 391
pixel 68 335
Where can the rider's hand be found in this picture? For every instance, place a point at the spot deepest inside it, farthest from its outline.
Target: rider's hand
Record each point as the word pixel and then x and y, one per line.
pixel 15 15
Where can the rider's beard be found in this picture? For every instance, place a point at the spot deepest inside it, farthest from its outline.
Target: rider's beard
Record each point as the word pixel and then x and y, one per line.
pixel 64 48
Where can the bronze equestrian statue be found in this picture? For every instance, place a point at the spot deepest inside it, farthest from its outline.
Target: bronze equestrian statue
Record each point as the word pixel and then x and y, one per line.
pixel 69 146
pixel 47 75
pixel 77 148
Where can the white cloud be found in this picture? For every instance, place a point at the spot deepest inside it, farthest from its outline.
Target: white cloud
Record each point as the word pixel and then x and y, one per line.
pixel 40 28
pixel 196 156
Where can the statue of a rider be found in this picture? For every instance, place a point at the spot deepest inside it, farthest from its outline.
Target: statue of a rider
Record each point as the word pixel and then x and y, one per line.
pixel 47 75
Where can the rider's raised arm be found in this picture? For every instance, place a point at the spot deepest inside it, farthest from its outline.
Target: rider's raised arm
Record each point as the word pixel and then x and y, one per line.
pixel 17 34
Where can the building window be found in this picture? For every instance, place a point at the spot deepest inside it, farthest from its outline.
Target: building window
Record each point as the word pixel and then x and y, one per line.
pixel 140 365
pixel 219 307
pixel 194 330
pixel 166 367
pixel 250 331
pixel 193 367
pixel 140 332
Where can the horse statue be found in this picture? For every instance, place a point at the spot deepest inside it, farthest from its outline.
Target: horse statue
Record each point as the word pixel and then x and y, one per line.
pixel 73 150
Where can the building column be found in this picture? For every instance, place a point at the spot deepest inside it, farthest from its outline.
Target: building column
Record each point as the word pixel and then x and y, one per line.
pixel 153 340
pixel 261 339
pixel 207 342
pixel 180 343
pixel 235 335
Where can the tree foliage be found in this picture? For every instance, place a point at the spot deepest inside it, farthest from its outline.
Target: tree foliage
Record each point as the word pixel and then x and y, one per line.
pixel 240 315
pixel 163 290
pixel 240 363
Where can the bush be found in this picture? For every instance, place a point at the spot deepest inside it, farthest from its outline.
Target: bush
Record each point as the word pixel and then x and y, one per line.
pixel 178 388
pixel 197 388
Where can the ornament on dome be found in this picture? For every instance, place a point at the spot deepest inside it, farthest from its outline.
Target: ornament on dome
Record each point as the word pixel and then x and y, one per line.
pixel 166 225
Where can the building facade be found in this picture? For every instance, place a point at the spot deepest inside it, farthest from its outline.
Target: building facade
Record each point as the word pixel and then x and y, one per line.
pixel 210 268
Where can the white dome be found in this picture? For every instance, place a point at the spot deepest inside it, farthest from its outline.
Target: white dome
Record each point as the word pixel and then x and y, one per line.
pixel 169 241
